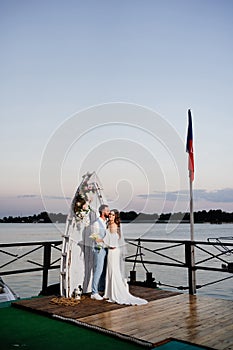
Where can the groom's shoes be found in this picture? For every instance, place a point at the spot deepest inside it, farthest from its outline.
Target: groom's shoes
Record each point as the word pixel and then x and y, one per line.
pixel 96 297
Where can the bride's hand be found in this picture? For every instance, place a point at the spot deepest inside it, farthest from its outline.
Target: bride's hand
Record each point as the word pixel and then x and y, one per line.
pixel 99 240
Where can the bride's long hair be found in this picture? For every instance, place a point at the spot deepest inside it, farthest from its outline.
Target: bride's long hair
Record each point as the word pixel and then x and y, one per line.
pixel 117 221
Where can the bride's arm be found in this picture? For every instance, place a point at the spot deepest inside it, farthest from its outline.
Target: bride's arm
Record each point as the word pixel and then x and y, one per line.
pixel 100 240
pixel 108 241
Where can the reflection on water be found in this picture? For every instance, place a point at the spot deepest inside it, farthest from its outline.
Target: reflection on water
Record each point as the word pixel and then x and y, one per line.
pixel 29 284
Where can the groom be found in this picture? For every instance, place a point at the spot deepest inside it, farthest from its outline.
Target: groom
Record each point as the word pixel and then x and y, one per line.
pixel 99 227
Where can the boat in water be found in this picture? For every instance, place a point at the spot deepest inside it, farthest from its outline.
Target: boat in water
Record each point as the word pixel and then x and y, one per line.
pixel 220 243
pixel 6 293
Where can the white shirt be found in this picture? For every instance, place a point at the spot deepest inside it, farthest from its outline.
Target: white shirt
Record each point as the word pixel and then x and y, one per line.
pixel 99 227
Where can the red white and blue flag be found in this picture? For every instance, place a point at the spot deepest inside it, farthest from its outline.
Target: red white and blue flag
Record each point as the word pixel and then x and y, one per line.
pixel 189 147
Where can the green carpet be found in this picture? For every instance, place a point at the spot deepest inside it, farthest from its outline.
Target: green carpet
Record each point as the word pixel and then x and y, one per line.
pixel 25 330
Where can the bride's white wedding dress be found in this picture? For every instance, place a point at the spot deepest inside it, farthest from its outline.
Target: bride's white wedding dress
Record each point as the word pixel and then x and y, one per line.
pixel 116 289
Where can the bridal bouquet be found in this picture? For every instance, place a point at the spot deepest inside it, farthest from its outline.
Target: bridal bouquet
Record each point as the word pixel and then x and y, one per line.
pixel 95 236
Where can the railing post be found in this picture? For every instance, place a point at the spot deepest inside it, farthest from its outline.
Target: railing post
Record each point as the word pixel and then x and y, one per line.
pixel 46 265
pixel 189 261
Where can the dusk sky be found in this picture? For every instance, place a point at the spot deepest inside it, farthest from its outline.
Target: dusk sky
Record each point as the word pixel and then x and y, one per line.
pixel 105 86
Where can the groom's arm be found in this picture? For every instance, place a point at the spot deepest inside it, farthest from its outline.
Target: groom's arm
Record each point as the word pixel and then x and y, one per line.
pixel 95 228
pixel 100 240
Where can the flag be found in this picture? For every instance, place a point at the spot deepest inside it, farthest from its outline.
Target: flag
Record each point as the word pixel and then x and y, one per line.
pixel 189 146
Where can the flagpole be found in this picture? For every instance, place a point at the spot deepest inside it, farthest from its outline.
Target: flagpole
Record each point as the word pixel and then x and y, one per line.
pixel 193 272
pixel 191 210
pixel 189 149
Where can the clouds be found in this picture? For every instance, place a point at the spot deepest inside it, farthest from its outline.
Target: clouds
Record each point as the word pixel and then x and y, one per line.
pixel 36 196
pixel 217 196
pixel 28 196
pixel 220 196
pixel 157 202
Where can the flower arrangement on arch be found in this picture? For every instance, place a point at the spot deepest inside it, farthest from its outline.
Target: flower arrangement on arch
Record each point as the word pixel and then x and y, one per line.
pixel 81 207
pixel 83 197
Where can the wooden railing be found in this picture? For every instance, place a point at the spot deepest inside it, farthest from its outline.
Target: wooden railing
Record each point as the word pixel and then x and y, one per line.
pixel 11 250
pixel 147 252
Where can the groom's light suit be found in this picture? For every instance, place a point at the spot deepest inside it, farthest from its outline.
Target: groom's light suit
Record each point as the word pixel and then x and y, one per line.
pixel 98 283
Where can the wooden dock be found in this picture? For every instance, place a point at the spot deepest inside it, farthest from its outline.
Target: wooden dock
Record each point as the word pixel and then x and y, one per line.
pixel 202 321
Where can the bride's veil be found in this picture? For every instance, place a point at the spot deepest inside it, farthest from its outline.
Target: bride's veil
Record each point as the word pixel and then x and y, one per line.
pixel 123 252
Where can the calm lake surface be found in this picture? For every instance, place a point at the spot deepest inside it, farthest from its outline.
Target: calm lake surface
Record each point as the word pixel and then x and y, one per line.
pixel 29 284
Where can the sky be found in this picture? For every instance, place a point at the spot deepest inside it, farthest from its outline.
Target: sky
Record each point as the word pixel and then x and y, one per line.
pixel 105 86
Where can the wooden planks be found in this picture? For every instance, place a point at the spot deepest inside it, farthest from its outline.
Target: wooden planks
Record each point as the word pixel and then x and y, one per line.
pixel 203 321
pixel 199 320
pixel 87 306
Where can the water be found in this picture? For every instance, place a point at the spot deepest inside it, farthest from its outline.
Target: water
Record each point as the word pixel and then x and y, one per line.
pixel 29 284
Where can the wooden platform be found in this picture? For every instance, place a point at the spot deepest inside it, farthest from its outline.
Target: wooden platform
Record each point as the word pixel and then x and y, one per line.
pixel 200 320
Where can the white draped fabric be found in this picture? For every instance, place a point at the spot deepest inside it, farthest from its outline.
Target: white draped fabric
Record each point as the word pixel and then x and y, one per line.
pixel 77 254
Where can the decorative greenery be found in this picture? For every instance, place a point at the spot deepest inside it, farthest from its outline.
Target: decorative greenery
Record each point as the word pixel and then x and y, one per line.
pixel 82 199
pixel 81 207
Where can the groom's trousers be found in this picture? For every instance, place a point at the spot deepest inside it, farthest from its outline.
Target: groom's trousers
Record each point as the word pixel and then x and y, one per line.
pixel 98 282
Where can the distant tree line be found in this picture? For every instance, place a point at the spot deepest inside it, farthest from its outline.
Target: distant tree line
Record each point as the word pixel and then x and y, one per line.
pixel 43 217
pixel 212 216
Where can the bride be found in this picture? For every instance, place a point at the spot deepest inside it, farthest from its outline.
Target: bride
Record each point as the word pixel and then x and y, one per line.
pixel 116 289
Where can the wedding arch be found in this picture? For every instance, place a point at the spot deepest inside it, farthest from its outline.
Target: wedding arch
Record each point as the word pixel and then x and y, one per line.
pixel 77 257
